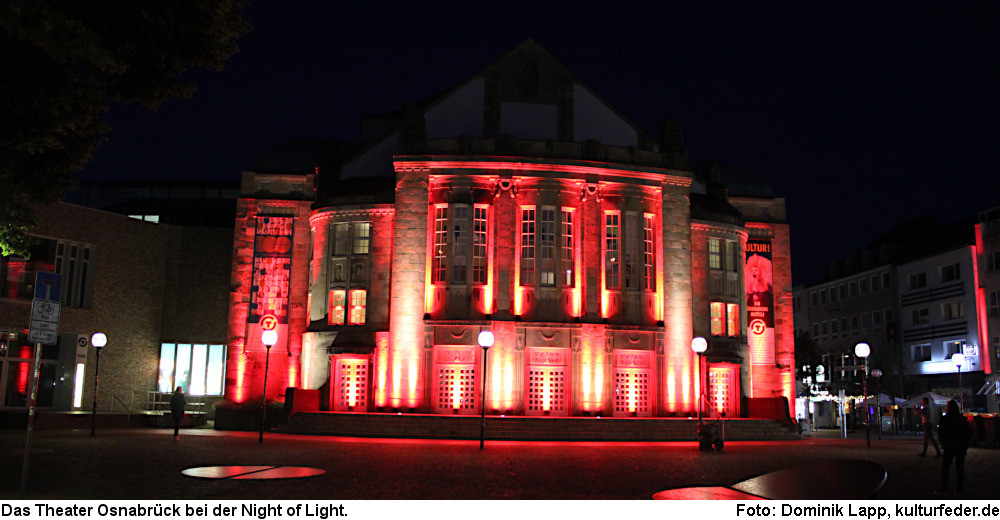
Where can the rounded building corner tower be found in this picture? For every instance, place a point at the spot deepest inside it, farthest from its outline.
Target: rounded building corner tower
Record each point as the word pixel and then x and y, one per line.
pixel 521 203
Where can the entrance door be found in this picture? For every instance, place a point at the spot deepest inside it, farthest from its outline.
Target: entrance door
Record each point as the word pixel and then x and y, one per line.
pixel 633 391
pixel 724 389
pixel 349 383
pixel 456 371
pixel 547 380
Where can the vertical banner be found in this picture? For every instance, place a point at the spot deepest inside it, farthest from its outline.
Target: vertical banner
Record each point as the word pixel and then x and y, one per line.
pixel 272 269
pixel 760 302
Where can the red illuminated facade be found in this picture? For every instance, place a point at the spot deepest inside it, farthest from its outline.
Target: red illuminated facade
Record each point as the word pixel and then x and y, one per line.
pixel 520 203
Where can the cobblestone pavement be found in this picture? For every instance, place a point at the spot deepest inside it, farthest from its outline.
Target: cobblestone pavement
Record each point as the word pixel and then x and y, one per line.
pixel 147 464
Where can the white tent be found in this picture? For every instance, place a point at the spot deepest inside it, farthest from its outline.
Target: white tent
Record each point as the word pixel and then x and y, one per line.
pixel 934 398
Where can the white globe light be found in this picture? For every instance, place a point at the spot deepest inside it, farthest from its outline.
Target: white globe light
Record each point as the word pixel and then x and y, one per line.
pixel 269 338
pixel 699 344
pixel 99 339
pixel 958 360
pixel 486 339
pixel 862 350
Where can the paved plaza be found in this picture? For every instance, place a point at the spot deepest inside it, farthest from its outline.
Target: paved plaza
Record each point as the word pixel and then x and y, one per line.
pixel 147 464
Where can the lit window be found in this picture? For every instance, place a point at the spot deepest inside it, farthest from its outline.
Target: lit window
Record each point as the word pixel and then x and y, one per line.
pixel 718 325
pixel 733 319
pixel 480 236
pixel 951 348
pixel 714 253
pixel 198 369
pixel 460 240
pixel 612 246
pixel 528 246
pixel 648 255
pixel 337 306
pixel 439 269
pixel 952 311
pixel 568 256
pixel 362 237
pixel 731 252
pixel 359 299
pixel 341 232
pixel 547 246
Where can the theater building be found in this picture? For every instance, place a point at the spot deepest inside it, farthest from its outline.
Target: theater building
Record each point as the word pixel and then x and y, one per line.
pixel 521 203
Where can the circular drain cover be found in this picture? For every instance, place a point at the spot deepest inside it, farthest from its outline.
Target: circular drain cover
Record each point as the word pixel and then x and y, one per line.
pixel 252 472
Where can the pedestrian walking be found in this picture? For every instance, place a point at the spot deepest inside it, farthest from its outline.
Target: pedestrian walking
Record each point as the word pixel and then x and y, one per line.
pixel 177 403
pixel 955 434
pixel 927 423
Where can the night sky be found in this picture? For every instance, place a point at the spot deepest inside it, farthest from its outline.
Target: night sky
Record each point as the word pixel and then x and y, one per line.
pixel 861 116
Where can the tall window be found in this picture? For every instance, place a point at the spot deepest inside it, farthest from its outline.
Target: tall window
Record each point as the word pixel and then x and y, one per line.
pixel 528 246
pixel 731 253
pixel 718 320
pixel 648 255
pixel 714 253
pixel 612 250
pixel 362 238
pixel 341 234
pixel 359 298
pixel 547 247
pixel 733 319
pixel 631 251
pixel 198 368
pixel 568 256
pixel 993 308
pixel 440 262
pixel 460 241
pixel 480 235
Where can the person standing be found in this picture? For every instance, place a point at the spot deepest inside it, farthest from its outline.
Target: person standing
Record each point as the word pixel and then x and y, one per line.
pixel 177 403
pixel 955 434
pixel 927 423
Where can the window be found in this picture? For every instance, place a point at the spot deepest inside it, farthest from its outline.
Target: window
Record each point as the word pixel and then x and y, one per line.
pixel 852 288
pixel 528 246
pixel 952 311
pixel 876 281
pixel 731 252
pixel 918 280
pixel 714 253
pixel 842 289
pixel 865 323
pixel 612 245
pixel 993 261
pixel 338 304
pixel 823 296
pixel 733 319
pixel 718 325
pixel 547 246
pixel 568 252
pixel 648 255
pixel 359 299
pixel 993 307
pixel 815 332
pixel 833 294
pixel 362 238
pixel 855 325
pixel 460 243
pixel 834 329
pixel 920 353
pixel 814 298
pixel 920 316
pixel 440 265
pixel 863 285
pixel 341 232
pixel 824 329
pixel 843 326
pixel 198 368
pixel 950 273
pixel 877 320
pixel 72 260
pixel 886 281
pixel 480 235
pixel 951 348
pixel 631 251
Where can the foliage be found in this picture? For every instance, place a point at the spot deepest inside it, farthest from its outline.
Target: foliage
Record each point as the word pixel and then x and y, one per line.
pixel 64 61
pixel 807 356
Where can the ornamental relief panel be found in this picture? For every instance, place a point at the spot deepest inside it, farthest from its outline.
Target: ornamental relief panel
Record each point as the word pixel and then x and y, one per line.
pixel 546 356
pixel 632 359
pixel 455 355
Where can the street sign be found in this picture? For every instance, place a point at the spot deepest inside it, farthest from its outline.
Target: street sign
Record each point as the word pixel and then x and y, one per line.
pixel 44 324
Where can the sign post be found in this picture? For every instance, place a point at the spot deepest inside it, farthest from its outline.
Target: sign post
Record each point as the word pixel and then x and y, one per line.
pixel 44 329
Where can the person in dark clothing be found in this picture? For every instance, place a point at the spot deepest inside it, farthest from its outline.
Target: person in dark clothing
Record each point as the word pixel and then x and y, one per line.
pixel 955 434
pixel 177 403
pixel 927 423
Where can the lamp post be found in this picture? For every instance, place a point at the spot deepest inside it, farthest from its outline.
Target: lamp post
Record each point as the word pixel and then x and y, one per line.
pixel 862 350
pixel 485 341
pixel 268 338
pixel 699 345
pixel 877 374
pixel 959 360
pixel 98 340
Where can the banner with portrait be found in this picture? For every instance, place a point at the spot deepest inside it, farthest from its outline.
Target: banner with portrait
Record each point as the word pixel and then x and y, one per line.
pixel 757 275
pixel 272 269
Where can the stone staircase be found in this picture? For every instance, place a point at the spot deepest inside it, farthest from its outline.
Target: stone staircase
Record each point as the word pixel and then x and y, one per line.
pixel 526 428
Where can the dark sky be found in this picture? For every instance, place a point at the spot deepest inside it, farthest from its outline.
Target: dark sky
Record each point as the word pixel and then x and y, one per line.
pixel 862 116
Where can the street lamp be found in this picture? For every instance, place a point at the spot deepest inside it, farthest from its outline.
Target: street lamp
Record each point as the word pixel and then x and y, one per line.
pixel 98 340
pixel 485 341
pixel 959 361
pixel 862 350
pixel 877 374
pixel 699 345
pixel 268 338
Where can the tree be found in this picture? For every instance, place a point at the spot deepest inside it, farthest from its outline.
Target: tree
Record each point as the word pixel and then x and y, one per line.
pixel 807 357
pixel 62 62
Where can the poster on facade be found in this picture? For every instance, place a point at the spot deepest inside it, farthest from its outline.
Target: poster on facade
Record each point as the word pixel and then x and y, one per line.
pixel 760 301
pixel 272 268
